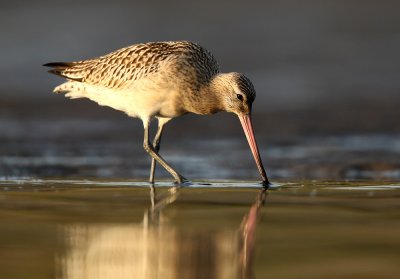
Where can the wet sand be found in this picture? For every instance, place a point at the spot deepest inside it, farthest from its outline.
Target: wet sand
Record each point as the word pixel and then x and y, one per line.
pixel 66 138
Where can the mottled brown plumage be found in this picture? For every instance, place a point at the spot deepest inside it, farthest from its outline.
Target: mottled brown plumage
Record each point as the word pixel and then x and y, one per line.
pixel 117 69
pixel 162 80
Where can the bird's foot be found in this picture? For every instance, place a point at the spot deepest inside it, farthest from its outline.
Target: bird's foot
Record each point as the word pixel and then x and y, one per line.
pixel 269 186
pixel 266 184
pixel 181 181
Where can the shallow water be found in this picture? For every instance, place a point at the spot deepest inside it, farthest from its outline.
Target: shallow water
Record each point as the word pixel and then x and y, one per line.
pixel 225 229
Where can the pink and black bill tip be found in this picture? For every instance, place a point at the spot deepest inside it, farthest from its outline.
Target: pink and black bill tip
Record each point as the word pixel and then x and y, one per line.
pixel 245 120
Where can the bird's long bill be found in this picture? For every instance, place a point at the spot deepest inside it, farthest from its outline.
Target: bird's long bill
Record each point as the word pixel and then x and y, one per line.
pixel 245 120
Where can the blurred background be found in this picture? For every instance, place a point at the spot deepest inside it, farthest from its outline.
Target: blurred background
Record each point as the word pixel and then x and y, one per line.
pixel 326 75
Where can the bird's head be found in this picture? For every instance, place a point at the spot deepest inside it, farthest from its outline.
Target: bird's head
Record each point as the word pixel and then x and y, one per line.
pixel 237 96
pixel 238 93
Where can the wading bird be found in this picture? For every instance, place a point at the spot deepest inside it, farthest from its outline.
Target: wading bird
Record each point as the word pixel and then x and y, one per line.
pixel 161 80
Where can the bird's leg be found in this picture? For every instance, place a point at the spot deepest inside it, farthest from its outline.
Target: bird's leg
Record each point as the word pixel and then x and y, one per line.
pixel 156 145
pixel 154 154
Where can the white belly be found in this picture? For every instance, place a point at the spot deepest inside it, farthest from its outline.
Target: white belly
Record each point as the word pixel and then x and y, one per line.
pixel 143 100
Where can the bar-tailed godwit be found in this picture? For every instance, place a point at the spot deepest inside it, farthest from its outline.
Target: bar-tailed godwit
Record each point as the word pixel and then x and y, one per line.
pixel 161 80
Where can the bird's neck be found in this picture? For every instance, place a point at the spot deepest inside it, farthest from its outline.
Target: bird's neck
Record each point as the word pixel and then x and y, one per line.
pixel 209 98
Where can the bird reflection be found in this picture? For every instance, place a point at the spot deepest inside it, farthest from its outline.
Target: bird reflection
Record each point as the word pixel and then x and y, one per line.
pixel 153 215
pixel 155 248
pixel 247 239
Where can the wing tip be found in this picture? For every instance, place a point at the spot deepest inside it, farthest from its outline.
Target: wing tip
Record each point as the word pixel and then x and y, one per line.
pixel 59 64
pixel 59 67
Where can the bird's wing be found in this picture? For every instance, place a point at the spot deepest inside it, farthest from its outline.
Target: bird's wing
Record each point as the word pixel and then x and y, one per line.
pixel 115 69
pixel 125 65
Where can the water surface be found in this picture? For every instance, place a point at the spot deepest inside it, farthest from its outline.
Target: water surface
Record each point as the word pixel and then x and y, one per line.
pixel 225 229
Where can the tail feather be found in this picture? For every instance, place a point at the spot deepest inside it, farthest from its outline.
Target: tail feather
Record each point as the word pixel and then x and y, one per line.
pixel 60 67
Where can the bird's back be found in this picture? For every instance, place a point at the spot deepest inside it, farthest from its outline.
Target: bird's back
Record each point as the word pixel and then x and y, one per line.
pixel 123 67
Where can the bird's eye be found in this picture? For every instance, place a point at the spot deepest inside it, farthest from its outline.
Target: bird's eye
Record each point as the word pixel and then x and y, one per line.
pixel 240 97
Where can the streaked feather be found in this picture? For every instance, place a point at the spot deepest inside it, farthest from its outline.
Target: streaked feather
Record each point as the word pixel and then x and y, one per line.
pixel 122 67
